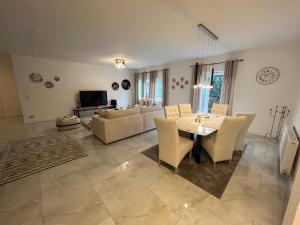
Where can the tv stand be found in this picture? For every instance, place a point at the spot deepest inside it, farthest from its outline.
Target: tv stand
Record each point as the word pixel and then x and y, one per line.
pixel 88 111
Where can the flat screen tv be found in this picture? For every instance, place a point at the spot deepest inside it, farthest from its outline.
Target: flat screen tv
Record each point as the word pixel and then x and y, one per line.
pixel 92 98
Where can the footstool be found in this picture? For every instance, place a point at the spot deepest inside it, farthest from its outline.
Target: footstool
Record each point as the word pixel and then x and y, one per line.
pixel 67 123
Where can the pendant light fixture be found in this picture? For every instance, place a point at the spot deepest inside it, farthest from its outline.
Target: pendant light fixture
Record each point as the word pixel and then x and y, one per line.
pixel 208 39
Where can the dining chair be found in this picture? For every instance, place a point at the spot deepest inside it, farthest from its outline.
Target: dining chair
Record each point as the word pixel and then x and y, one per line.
pixel 185 110
pixel 172 147
pixel 240 142
pixel 219 109
pixel 171 112
pixel 220 145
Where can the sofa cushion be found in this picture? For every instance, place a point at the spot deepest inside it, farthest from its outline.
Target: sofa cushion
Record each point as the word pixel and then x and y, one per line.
pixel 110 114
pixel 145 109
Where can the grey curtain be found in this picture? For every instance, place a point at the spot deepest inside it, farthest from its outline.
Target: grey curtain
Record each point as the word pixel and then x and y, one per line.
pixel 165 86
pixel 144 78
pixel 136 88
pixel 196 89
pixel 229 83
pixel 153 76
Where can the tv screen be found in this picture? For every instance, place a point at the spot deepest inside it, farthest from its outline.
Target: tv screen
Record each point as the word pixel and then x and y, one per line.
pixel 93 98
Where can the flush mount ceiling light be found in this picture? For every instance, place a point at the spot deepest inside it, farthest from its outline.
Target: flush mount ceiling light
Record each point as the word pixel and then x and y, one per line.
pixel 120 63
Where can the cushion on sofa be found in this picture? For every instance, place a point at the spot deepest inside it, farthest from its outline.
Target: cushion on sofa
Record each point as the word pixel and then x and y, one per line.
pixel 110 114
pixel 145 109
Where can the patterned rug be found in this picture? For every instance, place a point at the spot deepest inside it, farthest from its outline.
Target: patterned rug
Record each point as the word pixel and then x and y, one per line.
pixel 212 180
pixel 22 158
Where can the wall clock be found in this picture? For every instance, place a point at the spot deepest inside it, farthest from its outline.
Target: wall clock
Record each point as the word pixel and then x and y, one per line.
pixel 267 75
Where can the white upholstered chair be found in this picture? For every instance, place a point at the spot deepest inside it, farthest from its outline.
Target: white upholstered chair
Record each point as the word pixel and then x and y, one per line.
pixel 219 109
pixel 172 147
pixel 171 112
pixel 220 145
pixel 240 142
pixel 185 110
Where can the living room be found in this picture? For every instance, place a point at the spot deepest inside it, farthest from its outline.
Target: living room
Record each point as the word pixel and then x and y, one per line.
pixel 93 97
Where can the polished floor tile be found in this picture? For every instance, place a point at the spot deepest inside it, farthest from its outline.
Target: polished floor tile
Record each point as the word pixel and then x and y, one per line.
pixel 116 185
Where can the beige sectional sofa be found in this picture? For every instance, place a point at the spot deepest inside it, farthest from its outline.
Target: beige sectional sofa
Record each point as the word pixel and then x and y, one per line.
pixel 113 125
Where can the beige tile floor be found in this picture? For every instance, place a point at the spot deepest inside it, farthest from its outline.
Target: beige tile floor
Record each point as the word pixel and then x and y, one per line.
pixel 115 184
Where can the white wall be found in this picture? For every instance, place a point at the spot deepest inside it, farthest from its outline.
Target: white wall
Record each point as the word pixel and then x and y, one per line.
pixel 47 104
pixel 9 99
pixel 249 95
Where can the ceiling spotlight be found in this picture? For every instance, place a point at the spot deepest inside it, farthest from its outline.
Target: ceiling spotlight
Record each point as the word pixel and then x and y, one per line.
pixel 120 63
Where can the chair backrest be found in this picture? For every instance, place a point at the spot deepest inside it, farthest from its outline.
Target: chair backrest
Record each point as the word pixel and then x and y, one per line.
pixel 227 135
pixel 171 112
pixel 185 110
pixel 240 142
pixel 219 109
pixel 168 140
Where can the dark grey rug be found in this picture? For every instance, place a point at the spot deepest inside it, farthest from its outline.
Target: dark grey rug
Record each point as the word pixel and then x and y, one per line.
pixel 22 158
pixel 212 180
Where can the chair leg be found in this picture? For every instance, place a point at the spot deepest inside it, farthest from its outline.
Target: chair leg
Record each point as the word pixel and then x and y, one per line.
pixel 229 162
pixel 190 157
pixel 176 170
pixel 159 162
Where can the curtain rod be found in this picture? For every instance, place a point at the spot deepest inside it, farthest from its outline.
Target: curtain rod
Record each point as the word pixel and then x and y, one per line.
pixel 151 71
pixel 211 64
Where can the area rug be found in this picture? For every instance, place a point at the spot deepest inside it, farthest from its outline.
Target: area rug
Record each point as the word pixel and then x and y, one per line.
pixel 22 158
pixel 212 180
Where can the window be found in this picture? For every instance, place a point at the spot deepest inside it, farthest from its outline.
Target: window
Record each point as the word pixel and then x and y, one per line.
pixel 140 87
pixel 210 96
pixel 144 88
pixel 158 98
pixel 147 86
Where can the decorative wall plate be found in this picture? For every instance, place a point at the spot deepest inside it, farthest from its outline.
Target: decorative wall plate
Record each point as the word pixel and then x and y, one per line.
pixel 36 78
pixel 115 86
pixel 57 78
pixel 181 83
pixel 49 84
pixel 126 84
pixel 267 75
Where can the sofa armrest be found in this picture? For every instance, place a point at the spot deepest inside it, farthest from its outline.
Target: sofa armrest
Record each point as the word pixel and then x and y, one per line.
pixel 98 127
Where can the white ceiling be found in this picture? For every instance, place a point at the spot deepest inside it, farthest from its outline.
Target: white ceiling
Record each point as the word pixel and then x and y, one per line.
pixel 144 32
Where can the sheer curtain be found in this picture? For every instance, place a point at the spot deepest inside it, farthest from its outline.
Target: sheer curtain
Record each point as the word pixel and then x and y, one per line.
pixel 229 83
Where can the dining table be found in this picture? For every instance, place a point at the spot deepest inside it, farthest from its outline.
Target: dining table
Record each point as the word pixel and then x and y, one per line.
pixel 200 125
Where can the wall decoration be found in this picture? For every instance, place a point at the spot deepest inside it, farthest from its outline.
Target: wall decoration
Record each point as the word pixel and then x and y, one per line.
pixel 56 78
pixel 36 78
pixel 49 84
pixel 181 83
pixel 126 84
pixel 115 86
pixel 267 75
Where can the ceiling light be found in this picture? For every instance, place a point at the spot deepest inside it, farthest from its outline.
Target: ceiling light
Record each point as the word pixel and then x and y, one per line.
pixel 120 63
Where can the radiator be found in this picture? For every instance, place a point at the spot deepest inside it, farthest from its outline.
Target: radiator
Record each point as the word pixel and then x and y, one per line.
pixel 287 149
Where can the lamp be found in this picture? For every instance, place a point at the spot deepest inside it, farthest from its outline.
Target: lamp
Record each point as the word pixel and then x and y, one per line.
pixel 208 50
pixel 120 63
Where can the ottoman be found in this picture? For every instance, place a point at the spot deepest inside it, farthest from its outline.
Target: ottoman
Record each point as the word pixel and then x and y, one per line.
pixel 67 122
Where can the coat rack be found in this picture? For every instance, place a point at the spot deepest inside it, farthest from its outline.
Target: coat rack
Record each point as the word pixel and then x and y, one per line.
pixel 281 114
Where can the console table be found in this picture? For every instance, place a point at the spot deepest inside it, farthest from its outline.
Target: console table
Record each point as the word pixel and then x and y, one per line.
pixel 88 111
